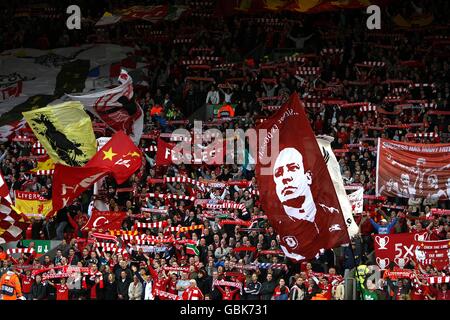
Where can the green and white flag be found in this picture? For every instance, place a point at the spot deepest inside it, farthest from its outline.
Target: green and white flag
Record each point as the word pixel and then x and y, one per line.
pixel 192 249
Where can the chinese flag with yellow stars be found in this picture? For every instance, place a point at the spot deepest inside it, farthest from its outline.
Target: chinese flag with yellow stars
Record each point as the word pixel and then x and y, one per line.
pixel 119 157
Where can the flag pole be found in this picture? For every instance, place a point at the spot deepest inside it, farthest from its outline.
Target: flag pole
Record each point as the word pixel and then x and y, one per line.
pixel 356 271
pixel 354 261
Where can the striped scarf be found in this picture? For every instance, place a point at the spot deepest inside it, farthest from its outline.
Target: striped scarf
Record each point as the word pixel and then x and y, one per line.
pixel 178 269
pixel 169 196
pixel 228 284
pixel 439 279
pixel 19 250
pixel 235 222
pixel 167 295
pixel 104 236
pixel 154 210
pixel 143 225
pixel 184 229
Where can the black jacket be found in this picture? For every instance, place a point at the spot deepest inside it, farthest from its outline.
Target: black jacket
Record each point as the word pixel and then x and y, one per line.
pixel 110 291
pixel 204 285
pixel 38 291
pixel 252 290
pixel 117 270
pixel 267 289
pixel 122 288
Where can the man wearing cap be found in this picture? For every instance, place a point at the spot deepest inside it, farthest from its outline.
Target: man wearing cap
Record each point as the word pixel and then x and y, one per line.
pixel 383 227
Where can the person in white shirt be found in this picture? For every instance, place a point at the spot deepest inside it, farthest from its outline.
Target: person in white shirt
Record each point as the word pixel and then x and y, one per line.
pixel 227 95
pixel 213 96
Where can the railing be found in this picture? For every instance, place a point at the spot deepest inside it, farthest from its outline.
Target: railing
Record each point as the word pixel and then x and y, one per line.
pixel 350 284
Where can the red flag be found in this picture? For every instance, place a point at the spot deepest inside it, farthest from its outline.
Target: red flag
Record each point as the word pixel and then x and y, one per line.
pixel 105 220
pixel 296 190
pixel 12 223
pixel 164 153
pixel 119 157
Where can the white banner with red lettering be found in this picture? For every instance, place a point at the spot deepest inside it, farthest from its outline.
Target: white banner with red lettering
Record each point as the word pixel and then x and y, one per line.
pixel 356 199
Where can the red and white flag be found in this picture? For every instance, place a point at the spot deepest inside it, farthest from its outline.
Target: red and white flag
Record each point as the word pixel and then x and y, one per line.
pixel 296 191
pixel 116 108
pixel 105 220
pixel 356 199
pixel 12 223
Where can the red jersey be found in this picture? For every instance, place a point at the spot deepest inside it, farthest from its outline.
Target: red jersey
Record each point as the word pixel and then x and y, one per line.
pixel 227 295
pixel 62 292
pixel 27 282
pixel 192 294
pixel 172 287
pixel 443 295
pixel 326 290
pixel 418 293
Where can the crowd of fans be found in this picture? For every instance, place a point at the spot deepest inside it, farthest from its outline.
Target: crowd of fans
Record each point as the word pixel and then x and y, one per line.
pixel 252 46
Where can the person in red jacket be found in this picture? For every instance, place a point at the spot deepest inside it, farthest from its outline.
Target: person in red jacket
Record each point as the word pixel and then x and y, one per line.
pixel 62 291
pixel 173 284
pixel 27 282
pixel 281 292
pixel 418 290
pixel 160 281
pixel 443 293
pixel 193 292
pixel 326 287
pixel 228 294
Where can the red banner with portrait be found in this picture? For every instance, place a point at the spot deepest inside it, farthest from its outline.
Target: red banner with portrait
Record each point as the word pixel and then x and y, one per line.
pixel 412 170
pixel 296 191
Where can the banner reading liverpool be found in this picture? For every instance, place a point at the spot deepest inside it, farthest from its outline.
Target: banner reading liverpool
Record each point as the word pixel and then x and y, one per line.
pixel 296 191
pixel 32 204
pixel 105 220
pixel 65 131
pixel 412 170
pixel 118 157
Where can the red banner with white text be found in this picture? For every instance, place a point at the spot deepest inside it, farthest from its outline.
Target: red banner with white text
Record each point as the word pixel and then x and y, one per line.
pixel 411 170
pixel 295 187
pixel 397 248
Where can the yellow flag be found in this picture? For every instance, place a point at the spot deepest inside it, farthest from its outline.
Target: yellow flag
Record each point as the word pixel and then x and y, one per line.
pixel 32 204
pixel 44 165
pixel 65 131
